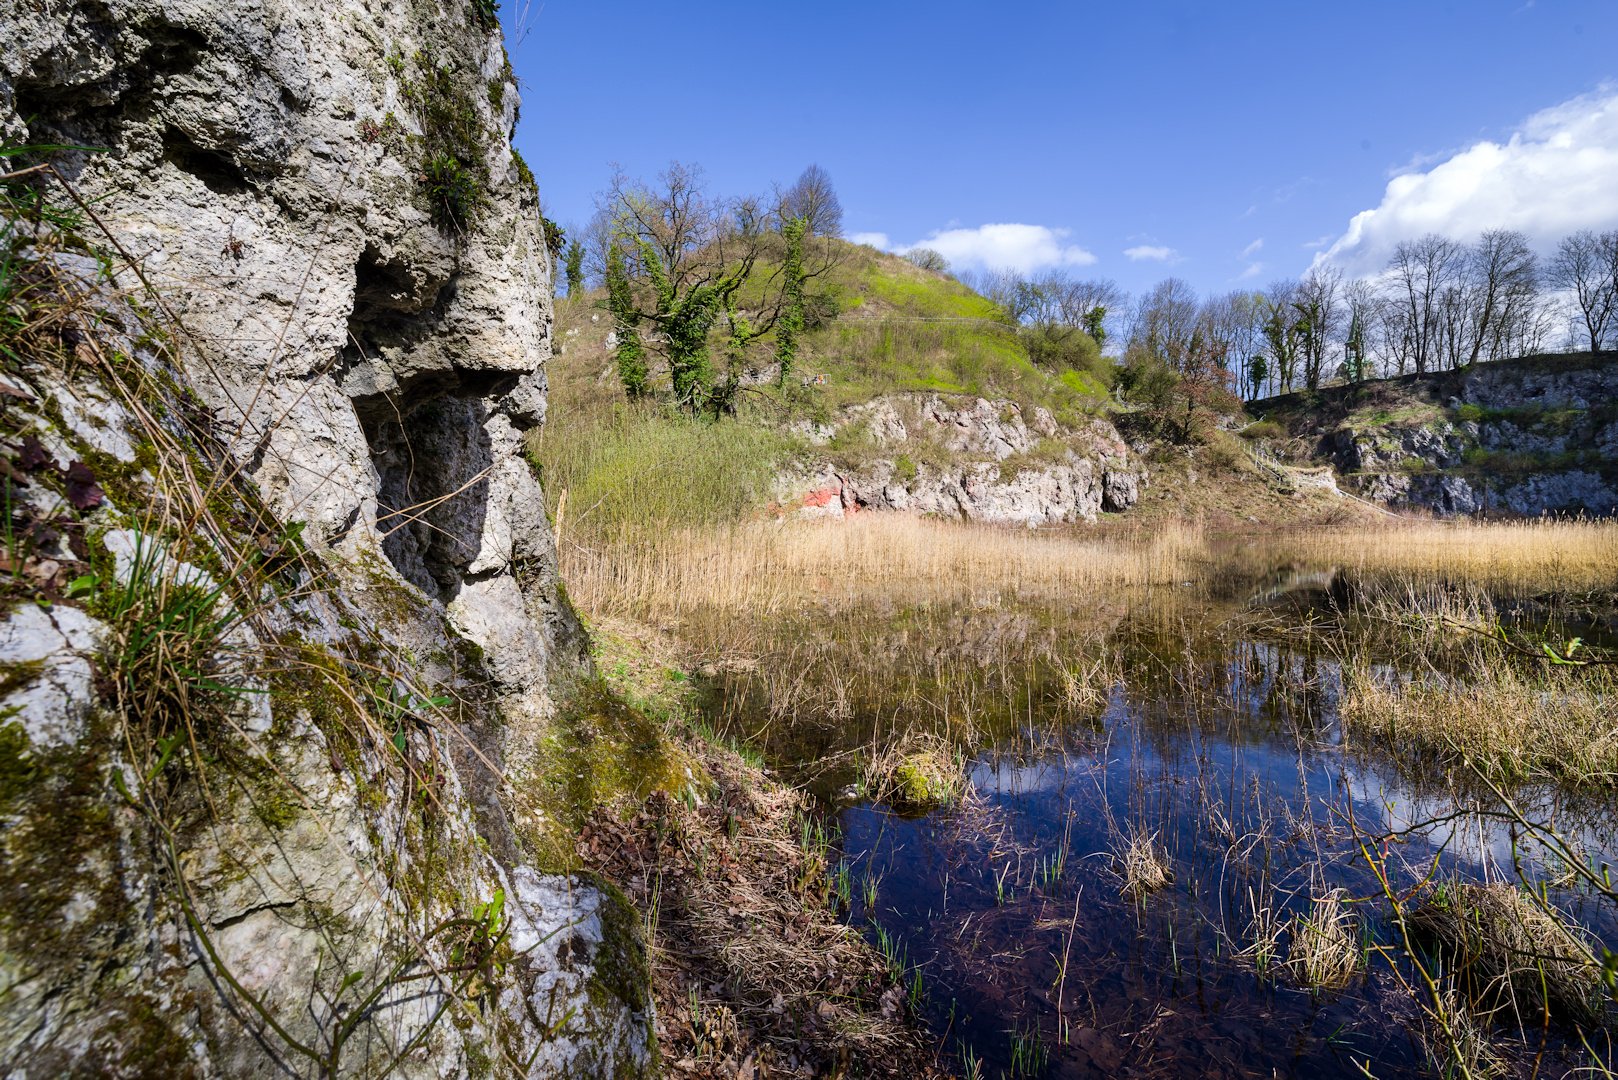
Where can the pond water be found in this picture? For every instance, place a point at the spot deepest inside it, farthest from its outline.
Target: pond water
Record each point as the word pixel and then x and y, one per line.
pixel 1207 734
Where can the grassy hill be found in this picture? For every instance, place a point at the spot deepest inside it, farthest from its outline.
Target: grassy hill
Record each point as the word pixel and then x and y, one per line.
pixel 882 325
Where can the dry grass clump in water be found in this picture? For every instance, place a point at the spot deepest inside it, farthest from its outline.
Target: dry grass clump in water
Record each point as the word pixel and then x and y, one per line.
pixel 765 568
pixel 1517 558
pixel 1323 951
pixel 915 773
pixel 754 973
pixel 1141 862
pixel 1508 954
pixel 1510 724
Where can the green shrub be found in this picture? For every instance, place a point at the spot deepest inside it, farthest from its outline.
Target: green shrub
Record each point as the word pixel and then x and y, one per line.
pixel 1469 412
pixel 1059 348
pixel 1223 452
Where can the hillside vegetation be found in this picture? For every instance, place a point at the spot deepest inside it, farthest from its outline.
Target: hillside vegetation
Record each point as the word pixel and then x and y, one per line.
pixel 877 324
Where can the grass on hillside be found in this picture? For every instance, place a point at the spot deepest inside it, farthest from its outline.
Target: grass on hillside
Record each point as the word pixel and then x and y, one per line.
pixel 630 466
pixel 890 326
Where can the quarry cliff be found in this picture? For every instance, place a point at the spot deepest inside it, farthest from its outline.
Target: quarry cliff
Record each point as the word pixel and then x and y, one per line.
pixel 286 643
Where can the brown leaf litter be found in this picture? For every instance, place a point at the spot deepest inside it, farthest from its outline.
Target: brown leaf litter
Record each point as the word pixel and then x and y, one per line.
pixel 754 974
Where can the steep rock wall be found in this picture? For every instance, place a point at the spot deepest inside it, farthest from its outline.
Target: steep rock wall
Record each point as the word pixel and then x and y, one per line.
pixel 324 198
pixel 979 460
pixel 1524 437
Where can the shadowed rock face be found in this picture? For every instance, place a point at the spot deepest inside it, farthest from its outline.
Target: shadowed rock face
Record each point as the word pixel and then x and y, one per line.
pixel 372 357
pixel 1520 440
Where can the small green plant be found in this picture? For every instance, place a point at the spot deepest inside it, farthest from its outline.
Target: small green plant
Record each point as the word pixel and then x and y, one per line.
pixel 868 894
pixel 843 886
pixel 1052 869
pixel 452 189
pixel 166 656
pixel 1002 894
pixel 893 955
pixel 397 707
pixel 971 1064
pixel 1029 1055
pixel 916 992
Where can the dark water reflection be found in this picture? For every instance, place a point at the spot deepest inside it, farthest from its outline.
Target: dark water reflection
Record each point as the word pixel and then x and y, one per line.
pixel 1222 743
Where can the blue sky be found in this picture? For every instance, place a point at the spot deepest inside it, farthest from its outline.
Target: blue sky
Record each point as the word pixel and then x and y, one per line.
pixel 1226 143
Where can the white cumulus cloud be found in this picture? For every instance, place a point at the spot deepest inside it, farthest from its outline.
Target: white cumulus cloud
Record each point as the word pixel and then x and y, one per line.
pixel 1558 174
pixel 878 240
pixel 1150 251
pixel 1016 247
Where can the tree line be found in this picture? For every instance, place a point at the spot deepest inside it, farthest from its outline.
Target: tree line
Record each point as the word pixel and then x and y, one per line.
pixel 1438 304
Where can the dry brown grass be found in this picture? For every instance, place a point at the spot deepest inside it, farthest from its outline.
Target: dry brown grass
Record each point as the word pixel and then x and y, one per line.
pixel 1513 558
pixel 1142 863
pixel 1458 1043
pixel 767 568
pixel 1323 952
pixel 753 970
pixel 1509 723
pixel 916 772
pixel 1509 955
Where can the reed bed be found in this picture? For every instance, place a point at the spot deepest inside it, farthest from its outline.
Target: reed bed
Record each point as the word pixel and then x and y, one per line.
pixel 1510 723
pixel 766 568
pixel 1513 959
pixel 1509 558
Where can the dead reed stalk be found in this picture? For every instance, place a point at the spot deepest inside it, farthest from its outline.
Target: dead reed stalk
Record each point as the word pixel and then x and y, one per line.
pixel 767 568
pixel 1323 952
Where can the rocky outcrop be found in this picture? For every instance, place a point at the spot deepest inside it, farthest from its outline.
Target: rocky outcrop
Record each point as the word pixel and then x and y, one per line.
pixel 317 399
pixel 978 460
pixel 1525 437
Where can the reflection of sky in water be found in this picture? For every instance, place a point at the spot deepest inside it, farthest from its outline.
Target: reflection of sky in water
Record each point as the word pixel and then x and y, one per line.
pixel 1383 798
pixel 1200 724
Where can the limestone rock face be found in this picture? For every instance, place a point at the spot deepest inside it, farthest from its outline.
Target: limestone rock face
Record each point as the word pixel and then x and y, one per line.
pixel 1522 437
pixel 1081 472
pixel 345 311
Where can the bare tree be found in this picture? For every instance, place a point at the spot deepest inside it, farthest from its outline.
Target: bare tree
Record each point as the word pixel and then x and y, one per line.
pixel 1095 304
pixel 813 198
pixel 1165 320
pixel 1280 330
pixel 1364 310
pixel 1019 298
pixel 1231 325
pixel 1586 265
pixel 1504 283
pixel 681 258
pixel 1420 272
pixel 1316 300
pixel 928 259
